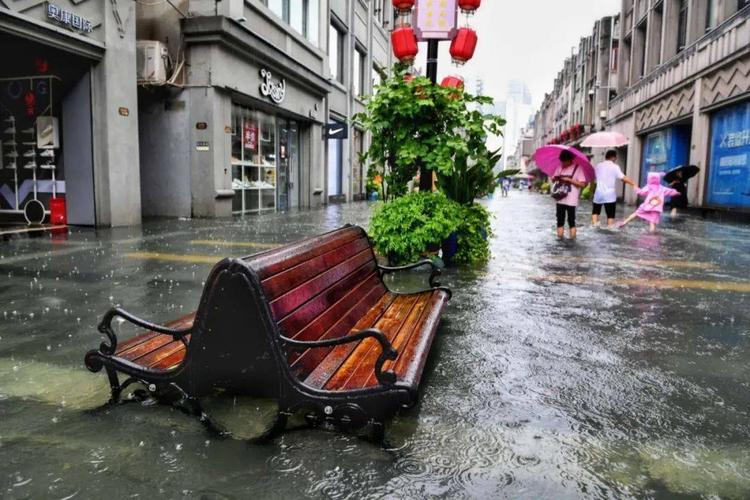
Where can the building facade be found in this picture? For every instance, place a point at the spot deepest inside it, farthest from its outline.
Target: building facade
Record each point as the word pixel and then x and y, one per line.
pixel 684 95
pixel 579 101
pixel 262 118
pixel 69 110
pixel 186 108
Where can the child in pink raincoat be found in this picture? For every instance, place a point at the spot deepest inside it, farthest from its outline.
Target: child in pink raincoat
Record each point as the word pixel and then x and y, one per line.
pixel 653 206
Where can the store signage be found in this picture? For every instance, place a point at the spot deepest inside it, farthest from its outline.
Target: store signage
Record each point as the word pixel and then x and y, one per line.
pixel 69 19
pixel 336 130
pixel 250 136
pixel 729 170
pixel 436 19
pixel 276 91
pixel 202 146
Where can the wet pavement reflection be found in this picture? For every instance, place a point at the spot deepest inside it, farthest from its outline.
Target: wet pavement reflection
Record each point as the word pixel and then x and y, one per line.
pixel 614 366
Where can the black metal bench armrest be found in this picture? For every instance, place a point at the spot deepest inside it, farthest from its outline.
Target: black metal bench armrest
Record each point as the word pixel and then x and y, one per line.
pixel 387 351
pixel 105 327
pixel 434 273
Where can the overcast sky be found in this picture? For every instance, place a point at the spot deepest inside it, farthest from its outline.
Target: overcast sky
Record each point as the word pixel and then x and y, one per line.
pixel 525 40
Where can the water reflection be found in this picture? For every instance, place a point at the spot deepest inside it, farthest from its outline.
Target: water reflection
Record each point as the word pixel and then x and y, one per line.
pixel 560 371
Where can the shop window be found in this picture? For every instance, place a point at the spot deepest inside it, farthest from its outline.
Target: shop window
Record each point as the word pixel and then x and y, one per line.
pixel 375 77
pixel 358 85
pixel 253 160
pixel 336 53
pixel 358 187
pixel 336 167
pixel 665 150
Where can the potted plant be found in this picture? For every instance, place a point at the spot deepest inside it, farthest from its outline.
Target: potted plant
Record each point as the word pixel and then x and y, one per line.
pixel 415 123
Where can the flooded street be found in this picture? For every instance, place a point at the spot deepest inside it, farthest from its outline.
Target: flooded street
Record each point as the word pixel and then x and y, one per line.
pixel 615 366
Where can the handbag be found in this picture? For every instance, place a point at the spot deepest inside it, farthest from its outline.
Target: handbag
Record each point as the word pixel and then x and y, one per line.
pixel 560 189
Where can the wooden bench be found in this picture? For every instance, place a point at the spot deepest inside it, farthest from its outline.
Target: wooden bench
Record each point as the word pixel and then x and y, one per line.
pixel 311 324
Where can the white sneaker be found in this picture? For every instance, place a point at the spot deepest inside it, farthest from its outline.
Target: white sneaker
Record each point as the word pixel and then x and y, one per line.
pixel 9 144
pixel 29 154
pixel 12 154
pixel 47 153
pixel 10 130
pixel 11 166
pixel 10 119
pixel 47 166
pixel 46 131
pixel 29 131
pixel 30 166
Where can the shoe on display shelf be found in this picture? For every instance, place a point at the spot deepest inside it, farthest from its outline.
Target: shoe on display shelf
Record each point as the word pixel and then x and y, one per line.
pixel 29 131
pixel 11 154
pixel 29 154
pixel 29 143
pixel 9 144
pixel 11 166
pixel 47 153
pixel 30 166
pixel 47 166
pixel 10 119
pixel 10 130
pixel 47 131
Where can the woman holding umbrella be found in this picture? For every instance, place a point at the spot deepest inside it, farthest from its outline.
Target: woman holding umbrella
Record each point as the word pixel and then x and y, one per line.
pixel 570 171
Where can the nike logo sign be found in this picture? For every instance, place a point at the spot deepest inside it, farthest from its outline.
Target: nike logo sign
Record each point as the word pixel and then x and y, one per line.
pixel 335 131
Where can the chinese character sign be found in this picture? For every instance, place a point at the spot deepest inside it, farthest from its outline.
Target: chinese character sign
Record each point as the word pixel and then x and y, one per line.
pixel 435 19
pixel 729 167
pixel 69 19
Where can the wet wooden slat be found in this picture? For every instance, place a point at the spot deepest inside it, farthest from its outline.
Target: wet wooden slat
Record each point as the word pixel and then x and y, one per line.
pixel 181 323
pixel 410 365
pixel 360 265
pixel 331 364
pixel 398 332
pixel 317 309
pixel 284 281
pixel 367 350
pixel 335 323
pixel 275 261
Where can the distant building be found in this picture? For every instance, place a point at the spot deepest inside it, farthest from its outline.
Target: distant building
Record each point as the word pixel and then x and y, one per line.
pixel 518 109
pixel 684 95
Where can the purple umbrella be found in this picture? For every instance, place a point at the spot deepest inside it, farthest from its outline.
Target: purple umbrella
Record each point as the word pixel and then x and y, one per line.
pixel 547 158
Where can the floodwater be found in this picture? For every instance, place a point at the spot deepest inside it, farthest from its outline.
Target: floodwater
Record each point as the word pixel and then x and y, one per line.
pixel 616 366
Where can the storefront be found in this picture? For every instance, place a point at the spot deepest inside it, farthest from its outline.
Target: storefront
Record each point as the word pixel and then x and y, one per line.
pixel 265 161
pixel 58 58
pixel 729 171
pixel 45 122
pixel 665 149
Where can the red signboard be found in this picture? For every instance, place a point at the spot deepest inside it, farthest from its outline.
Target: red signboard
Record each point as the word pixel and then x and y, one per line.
pixel 250 136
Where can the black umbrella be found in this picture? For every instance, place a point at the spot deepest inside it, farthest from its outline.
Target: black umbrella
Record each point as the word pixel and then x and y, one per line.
pixel 688 171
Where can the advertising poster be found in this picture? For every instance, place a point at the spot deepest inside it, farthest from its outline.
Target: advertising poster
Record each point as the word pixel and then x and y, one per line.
pixel 729 174
pixel 250 136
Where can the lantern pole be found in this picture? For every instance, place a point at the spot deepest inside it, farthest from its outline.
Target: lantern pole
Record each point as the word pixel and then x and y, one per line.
pixel 425 175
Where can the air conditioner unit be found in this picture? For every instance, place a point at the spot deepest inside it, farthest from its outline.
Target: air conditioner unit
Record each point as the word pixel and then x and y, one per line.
pixel 151 60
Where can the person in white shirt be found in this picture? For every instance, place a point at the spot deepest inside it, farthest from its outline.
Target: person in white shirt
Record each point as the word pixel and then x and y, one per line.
pixel 608 173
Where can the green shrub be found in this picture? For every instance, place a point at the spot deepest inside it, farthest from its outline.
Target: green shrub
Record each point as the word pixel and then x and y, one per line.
pixel 473 235
pixel 403 229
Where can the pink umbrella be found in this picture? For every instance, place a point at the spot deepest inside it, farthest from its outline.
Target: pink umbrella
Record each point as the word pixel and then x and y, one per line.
pixel 605 140
pixel 547 158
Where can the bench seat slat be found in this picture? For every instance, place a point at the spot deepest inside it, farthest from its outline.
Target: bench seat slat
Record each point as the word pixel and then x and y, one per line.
pixel 390 321
pixel 397 328
pixel 328 366
pixel 181 323
pixel 336 322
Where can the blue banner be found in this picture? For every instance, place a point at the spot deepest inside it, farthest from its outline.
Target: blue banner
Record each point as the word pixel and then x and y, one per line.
pixel 729 174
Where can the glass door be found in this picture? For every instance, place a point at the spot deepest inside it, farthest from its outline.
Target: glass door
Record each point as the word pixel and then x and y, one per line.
pixel 288 164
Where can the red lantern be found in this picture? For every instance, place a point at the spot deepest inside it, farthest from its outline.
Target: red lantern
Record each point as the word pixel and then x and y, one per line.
pixel 463 45
pixel 453 81
pixel 404 6
pixel 468 6
pixel 404 43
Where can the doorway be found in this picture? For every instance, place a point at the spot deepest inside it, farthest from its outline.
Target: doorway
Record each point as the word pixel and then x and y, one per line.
pixel 289 165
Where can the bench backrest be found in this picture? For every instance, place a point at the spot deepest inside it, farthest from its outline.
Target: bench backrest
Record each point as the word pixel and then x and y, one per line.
pixel 319 288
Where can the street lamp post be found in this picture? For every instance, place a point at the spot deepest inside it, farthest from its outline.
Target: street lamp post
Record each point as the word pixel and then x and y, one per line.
pixel 435 21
